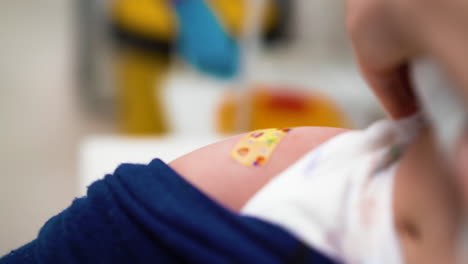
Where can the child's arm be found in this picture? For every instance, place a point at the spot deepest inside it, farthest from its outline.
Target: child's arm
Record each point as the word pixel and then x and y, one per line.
pixel 148 214
pixel 214 172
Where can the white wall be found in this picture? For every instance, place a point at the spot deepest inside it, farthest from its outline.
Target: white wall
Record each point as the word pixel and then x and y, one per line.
pixel 39 126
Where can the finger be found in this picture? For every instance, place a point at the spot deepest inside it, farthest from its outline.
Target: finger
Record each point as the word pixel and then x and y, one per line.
pixel 393 89
pixel 382 47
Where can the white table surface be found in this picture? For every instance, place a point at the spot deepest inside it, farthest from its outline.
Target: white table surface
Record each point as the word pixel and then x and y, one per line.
pixel 101 155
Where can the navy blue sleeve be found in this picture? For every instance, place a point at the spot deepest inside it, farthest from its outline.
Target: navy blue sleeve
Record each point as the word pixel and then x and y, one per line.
pixel 149 214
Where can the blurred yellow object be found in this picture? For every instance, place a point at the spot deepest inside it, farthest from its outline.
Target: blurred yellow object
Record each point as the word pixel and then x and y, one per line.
pixel 155 18
pixel 151 18
pixel 232 14
pixel 274 108
pixel 139 83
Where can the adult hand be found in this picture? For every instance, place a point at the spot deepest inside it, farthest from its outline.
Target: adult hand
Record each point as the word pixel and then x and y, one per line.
pixel 388 34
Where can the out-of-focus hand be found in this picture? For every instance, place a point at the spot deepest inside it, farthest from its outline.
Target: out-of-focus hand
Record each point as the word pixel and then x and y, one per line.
pixel 382 50
pixel 387 34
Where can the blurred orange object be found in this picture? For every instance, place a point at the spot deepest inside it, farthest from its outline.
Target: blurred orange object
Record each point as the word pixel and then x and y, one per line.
pixel 276 108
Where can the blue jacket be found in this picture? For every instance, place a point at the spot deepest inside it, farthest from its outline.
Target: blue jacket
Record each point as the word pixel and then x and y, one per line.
pixel 149 214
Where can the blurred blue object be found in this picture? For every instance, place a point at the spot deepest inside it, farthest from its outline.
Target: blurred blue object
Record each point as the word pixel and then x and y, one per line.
pixel 203 42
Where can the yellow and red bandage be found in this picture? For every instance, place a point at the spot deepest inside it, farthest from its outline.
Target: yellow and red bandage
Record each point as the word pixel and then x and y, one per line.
pixel 255 149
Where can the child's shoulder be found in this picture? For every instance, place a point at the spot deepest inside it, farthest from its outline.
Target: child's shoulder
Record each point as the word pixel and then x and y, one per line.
pixel 213 170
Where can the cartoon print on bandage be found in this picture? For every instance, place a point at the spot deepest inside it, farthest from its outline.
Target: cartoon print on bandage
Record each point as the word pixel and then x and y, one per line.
pixel 255 148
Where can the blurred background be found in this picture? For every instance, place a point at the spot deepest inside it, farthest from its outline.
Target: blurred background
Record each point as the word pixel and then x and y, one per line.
pixel 88 84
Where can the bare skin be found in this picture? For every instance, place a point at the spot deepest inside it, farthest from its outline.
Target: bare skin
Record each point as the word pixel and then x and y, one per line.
pixel 213 171
pixel 426 205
